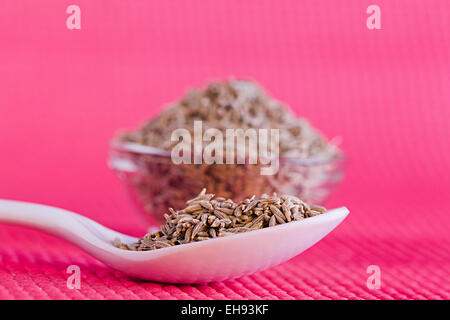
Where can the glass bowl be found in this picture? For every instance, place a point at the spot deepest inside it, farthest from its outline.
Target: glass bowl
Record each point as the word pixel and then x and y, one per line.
pixel 155 183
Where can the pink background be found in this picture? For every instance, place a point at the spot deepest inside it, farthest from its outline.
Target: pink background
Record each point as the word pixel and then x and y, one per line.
pixel 64 93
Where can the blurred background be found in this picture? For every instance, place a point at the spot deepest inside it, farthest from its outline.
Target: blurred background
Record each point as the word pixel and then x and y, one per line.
pixel 65 93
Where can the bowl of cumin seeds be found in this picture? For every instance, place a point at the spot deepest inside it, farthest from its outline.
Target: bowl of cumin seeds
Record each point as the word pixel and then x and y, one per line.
pixel 309 165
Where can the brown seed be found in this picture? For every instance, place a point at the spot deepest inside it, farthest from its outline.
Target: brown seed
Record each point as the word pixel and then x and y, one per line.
pixel 211 219
pixel 203 234
pixel 212 233
pixel 238 211
pixel 162 244
pixel 147 242
pixel 197 229
pixel 207 205
pixel 226 221
pixel 245 218
pixel 251 206
pixel 279 219
pixel 258 220
pixel 227 211
pixel 205 197
pixel 157 235
pixel 297 217
pixel 204 218
pixel 286 212
pixel 117 243
pixel 258 211
pixel 192 208
pixel 234 221
pixel 277 212
pixel 216 223
pixel 272 221
pixel 313 213
pixel 184 219
pixel 305 206
pixel 187 235
pixel 238 229
pixel 199 197
pixel 220 214
pixel 224 233
pixel 318 208
pixel 258 225
pixel 202 238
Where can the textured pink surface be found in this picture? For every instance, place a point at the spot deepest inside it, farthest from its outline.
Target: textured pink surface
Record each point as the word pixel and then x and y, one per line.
pixel 64 93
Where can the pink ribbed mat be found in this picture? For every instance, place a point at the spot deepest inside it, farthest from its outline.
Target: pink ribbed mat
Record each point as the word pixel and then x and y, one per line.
pixel 64 93
pixel 412 254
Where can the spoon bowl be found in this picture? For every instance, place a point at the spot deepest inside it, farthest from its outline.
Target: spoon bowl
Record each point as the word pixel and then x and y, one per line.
pixel 216 259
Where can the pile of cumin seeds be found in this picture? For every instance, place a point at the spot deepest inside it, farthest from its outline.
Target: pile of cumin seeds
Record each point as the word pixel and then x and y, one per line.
pixel 234 104
pixel 206 217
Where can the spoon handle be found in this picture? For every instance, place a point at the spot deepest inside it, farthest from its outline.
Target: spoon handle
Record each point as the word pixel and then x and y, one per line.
pixel 41 217
pixel 70 226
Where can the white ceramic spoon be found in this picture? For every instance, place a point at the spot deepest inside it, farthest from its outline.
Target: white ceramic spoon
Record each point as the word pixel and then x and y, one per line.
pixel 197 262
